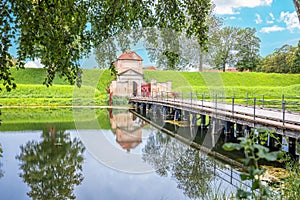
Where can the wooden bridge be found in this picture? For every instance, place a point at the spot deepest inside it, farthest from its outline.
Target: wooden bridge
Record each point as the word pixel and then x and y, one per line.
pixel 282 121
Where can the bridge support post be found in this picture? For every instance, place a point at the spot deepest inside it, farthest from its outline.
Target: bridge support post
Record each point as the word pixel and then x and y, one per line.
pixel 292 146
pixel 203 120
pixel 239 130
pixel 193 122
pixel 228 130
pixel 177 114
pixel 186 116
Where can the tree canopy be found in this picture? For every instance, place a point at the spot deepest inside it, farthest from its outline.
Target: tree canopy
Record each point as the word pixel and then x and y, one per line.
pixel 235 47
pixel 61 32
pixel 285 59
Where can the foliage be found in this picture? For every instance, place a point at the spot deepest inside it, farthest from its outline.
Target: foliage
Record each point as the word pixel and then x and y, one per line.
pixel 52 167
pixel 291 184
pixel 7 32
pixel 160 24
pixel 60 32
pixel 296 62
pixel 233 47
pixel 223 48
pixel 55 32
pixel 254 151
pixel 284 60
pixel 248 50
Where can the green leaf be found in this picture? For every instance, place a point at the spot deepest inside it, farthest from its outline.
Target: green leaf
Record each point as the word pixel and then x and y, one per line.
pixel 241 194
pixel 231 146
pixel 272 156
pixel 245 176
pixel 255 185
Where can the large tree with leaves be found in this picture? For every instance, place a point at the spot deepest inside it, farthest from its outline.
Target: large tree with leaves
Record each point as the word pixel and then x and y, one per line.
pixel 284 60
pixel 61 32
pixel 248 50
pixel 223 48
pixel 234 47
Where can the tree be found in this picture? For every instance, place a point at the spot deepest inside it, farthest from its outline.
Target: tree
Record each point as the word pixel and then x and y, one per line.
pixel 296 62
pixel 55 32
pixel 61 32
pixel 297 5
pixel 248 50
pixel 235 47
pixel 222 48
pixel 7 32
pixel 283 60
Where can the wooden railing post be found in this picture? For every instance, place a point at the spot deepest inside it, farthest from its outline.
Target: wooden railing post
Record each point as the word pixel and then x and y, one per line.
pixel 254 107
pixel 232 100
pixel 283 109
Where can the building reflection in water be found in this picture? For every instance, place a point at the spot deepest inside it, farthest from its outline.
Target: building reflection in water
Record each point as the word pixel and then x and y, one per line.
pixel 127 128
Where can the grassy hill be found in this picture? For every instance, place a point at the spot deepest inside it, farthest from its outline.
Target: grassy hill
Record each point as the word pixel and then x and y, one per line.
pixel 30 90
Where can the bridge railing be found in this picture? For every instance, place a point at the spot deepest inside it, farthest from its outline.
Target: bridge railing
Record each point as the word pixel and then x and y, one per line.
pixel 286 103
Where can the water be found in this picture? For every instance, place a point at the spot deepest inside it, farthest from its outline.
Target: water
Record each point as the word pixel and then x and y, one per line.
pixel 48 154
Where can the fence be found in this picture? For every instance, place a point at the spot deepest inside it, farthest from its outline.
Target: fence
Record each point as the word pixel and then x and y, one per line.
pixel 284 103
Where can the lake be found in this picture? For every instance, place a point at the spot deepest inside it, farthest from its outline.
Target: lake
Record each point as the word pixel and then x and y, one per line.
pixel 105 154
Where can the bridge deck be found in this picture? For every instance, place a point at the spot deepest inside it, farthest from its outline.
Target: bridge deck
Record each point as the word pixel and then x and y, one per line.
pixel 278 119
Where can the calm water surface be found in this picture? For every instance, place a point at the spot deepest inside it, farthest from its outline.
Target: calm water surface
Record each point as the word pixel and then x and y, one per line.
pixel 124 158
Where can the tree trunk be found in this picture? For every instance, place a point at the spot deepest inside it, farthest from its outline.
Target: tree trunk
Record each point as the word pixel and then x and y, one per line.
pixel 297 5
pixel 200 62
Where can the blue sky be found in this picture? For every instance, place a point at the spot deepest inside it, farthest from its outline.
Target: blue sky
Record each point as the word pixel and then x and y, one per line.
pixel 275 21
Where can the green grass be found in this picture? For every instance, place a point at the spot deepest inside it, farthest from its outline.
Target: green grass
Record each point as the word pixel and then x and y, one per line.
pixel 266 88
pixel 31 92
pixel 34 76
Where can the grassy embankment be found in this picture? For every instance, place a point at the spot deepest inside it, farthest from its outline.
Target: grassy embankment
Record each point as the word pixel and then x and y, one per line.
pixel 31 92
pixel 266 88
pixel 270 87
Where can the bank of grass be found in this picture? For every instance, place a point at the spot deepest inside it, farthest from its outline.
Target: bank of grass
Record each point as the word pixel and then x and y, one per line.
pixel 31 92
pixel 243 87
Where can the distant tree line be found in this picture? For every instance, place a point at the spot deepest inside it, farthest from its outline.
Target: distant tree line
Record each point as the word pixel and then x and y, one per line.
pixel 285 59
pixel 233 47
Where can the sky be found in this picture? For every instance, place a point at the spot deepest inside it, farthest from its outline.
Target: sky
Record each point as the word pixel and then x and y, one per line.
pixel 275 21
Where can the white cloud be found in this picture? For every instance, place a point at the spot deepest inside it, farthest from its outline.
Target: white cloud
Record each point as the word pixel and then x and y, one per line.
pixel 270 29
pixel 230 6
pixel 291 20
pixel 258 19
pixel 34 64
pixel 270 21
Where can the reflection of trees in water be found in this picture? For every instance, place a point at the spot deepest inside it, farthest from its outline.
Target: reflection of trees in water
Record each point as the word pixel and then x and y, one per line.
pixel 52 167
pixel 1 164
pixel 192 171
